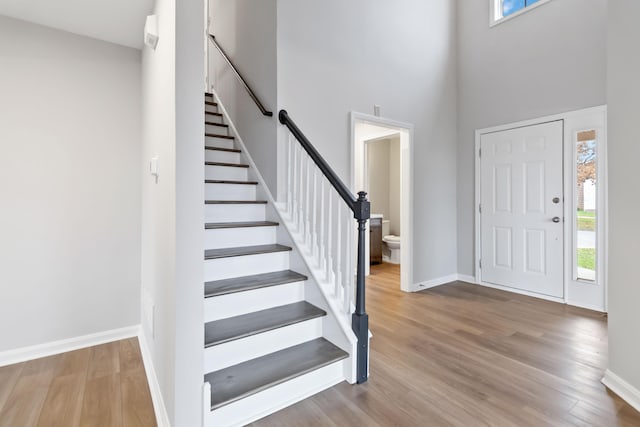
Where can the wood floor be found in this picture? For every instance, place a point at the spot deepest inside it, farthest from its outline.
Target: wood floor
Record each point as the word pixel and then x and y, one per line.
pixel 465 355
pixel 100 386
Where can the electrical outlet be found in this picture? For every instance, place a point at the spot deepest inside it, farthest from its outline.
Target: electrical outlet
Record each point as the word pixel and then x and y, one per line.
pixel 376 110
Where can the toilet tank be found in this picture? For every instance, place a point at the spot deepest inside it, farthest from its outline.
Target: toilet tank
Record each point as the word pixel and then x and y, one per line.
pixel 385 227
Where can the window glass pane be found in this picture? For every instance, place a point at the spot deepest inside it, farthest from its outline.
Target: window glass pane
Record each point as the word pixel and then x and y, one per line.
pixel 530 2
pixel 586 203
pixel 512 6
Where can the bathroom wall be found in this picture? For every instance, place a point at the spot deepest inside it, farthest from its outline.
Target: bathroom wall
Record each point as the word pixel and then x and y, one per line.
pixel 394 186
pixel 378 176
pixel 383 169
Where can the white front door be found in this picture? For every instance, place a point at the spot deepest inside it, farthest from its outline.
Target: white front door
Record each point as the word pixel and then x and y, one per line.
pixel 522 208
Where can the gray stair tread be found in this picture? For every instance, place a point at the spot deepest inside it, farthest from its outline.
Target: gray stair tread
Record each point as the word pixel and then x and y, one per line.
pixel 230 150
pixel 226 181
pixel 215 104
pixel 217 225
pixel 235 202
pixel 212 114
pixel 244 250
pixel 236 382
pixel 225 330
pixel 216 124
pixel 215 135
pixel 230 165
pixel 248 283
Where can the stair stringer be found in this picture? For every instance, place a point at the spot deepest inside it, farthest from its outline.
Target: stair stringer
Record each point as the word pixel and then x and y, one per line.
pixel 336 324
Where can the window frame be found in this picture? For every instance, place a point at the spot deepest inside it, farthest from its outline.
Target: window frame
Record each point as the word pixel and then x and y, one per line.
pixel 495 11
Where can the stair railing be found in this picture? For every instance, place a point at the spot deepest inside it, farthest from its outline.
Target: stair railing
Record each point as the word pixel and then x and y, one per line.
pixel 324 219
pixel 241 79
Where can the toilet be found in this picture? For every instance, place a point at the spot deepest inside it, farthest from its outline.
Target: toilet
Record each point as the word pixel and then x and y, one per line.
pixel 392 242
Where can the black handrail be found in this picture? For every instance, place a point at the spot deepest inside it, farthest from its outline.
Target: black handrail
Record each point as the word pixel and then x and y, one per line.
pixel 253 96
pixel 361 212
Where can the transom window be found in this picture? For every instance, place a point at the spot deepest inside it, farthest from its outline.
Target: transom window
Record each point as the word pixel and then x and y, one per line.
pixel 505 9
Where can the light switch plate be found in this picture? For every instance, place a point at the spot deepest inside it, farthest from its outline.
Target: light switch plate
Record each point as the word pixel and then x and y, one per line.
pixel 153 166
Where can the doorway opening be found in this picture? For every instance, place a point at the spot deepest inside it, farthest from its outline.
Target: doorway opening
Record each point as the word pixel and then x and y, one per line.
pixel 382 166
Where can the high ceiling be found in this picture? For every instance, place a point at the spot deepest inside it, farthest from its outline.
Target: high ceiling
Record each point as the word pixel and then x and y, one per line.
pixel 115 21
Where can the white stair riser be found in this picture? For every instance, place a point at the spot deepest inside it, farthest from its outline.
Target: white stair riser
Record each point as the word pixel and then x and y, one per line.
pixel 218 130
pixel 212 141
pixel 211 108
pixel 231 353
pixel 225 173
pixel 234 237
pixel 239 303
pixel 235 213
pixel 226 268
pixel 273 399
pixel 213 118
pixel 230 192
pixel 221 156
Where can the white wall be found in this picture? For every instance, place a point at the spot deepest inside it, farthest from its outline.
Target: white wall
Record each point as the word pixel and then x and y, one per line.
pixel 173 206
pixel 246 30
pixel 378 176
pixel 549 60
pixel 189 213
pixel 70 214
pixel 329 65
pixel 394 187
pixel 383 168
pixel 623 98
pixel 159 199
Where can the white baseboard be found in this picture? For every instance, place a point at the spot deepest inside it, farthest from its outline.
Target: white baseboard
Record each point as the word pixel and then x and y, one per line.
pixel 626 391
pixel 162 418
pixel 433 283
pixel 62 346
pixel 467 279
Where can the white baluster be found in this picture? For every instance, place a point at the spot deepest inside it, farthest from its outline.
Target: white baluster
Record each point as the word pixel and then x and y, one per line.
pixel 339 255
pixel 289 175
pixel 329 257
pixel 301 196
pixel 348 276
pixel 322 237
pixel 295 185
pixel 314 210
pixel 307 206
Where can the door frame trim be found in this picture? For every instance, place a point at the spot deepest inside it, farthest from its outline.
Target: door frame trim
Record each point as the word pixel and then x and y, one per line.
pixel 567 175
pixel 406 185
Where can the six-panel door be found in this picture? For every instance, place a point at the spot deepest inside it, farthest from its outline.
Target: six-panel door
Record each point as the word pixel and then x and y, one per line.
pixel 522 208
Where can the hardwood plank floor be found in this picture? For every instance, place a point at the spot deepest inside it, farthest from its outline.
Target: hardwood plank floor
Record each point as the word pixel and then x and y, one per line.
pixel 105 385
pixel 465 355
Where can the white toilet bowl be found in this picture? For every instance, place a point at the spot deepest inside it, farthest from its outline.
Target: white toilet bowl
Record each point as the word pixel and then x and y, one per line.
pixel 393 243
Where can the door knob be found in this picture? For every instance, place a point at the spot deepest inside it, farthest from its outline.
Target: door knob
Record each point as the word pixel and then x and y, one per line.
pixel 556 219
pixel 556 200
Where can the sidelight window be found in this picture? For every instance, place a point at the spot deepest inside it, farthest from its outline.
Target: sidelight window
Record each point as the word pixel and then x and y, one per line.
pixel 586 203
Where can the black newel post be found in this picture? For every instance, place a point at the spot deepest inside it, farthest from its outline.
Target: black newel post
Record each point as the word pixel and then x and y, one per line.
pixel 360 319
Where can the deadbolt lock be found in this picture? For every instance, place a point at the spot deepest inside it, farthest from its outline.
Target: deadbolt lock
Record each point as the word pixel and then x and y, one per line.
pixel 556 200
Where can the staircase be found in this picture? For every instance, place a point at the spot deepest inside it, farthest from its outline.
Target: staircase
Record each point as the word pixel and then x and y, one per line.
pixel 265 343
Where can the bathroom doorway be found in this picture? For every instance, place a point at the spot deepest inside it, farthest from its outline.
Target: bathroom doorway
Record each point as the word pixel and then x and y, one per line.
pixel 382 166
